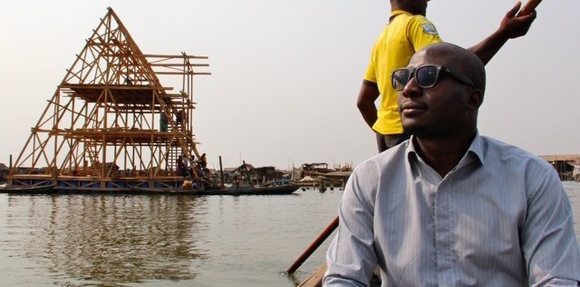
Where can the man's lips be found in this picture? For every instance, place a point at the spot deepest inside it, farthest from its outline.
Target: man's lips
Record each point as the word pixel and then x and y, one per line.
pixel 411 108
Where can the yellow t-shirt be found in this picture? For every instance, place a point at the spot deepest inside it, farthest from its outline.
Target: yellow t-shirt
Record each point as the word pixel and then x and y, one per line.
pixel 405 35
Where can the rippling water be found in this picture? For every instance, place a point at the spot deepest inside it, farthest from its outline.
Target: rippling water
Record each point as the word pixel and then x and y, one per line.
pixel 105 240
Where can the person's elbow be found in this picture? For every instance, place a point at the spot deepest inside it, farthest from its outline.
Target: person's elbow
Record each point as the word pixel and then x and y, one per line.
pixel 368 94
pixel 362 104
pixel 365 100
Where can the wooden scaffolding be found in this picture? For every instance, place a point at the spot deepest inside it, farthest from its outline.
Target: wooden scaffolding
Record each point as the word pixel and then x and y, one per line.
pixel 111 123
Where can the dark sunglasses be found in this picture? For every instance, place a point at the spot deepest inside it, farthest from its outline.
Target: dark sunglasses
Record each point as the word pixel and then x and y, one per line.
pixel 426 76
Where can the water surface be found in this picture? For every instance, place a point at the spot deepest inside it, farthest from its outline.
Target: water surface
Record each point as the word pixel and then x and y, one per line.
pixel 106 240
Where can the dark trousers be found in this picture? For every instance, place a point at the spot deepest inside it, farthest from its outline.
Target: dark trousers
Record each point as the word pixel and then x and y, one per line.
pixel 385 142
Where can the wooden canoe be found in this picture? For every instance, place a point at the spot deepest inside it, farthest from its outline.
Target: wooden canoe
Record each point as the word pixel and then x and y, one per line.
pixel 249 190
pixel 28 189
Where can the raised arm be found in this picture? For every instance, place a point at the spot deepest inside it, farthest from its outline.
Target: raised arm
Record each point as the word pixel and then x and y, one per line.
pixel 511 26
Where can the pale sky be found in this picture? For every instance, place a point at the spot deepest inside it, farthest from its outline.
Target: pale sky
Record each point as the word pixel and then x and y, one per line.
pixel 285 74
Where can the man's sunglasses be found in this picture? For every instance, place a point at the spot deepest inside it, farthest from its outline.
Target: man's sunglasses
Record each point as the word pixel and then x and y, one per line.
pixel 426 76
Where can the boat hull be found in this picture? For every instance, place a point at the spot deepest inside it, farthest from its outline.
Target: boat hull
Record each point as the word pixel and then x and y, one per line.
pixel 250 190
pixel 32 189
pixel 266 190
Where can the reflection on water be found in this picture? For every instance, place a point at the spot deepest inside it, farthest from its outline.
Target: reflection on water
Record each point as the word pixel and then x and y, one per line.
pixel 109 239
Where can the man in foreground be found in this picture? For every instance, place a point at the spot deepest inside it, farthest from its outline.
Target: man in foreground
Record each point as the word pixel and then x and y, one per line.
pixel 449 207
pixel 407 32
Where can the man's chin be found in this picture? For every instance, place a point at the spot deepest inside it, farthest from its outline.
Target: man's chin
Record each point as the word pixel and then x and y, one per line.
pixel 416 130
pixel 411 128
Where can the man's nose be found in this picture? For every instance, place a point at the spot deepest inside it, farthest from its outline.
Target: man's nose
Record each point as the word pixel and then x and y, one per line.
pixel 411 89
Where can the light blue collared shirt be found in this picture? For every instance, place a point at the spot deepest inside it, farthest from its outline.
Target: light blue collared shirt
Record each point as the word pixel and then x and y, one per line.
pixel 500 218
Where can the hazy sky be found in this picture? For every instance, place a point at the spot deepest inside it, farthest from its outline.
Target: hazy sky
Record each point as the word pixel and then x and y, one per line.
pixel 285 74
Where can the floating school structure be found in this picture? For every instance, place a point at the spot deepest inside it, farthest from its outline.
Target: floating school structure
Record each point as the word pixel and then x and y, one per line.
pixel 111 123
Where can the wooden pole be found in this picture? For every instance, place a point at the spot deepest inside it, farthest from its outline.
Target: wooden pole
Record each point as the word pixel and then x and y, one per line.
pixel 317 242
pixel 221 172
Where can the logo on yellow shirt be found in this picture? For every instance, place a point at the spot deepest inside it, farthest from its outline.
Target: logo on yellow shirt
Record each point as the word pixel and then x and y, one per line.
pixel 429 28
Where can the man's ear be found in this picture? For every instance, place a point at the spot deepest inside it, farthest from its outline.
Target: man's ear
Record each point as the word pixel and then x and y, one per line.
pixel 475 99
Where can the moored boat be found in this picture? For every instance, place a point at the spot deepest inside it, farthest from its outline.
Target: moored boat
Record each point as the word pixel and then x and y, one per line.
pixel 244 190
pixel 28 189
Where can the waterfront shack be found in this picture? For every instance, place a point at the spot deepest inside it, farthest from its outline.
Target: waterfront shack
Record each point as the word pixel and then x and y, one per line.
pixel 567 165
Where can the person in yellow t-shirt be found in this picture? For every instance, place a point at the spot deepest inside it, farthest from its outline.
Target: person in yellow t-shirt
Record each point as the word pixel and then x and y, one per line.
pixel 407 32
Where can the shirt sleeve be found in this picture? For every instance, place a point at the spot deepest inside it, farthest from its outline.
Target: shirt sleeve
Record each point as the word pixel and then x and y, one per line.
pixel 421 32
pixel 350 258
pixel 547 238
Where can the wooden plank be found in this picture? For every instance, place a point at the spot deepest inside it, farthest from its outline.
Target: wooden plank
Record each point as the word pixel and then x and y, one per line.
pixel 315 279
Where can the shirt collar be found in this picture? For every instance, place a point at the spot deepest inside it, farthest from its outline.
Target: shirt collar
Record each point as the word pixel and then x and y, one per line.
pixel 396 13
pixel 476 149
pixel 399 12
